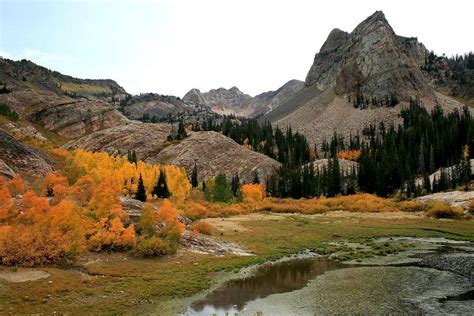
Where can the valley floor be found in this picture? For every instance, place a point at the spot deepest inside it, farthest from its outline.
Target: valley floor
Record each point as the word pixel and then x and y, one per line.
pixel 114 283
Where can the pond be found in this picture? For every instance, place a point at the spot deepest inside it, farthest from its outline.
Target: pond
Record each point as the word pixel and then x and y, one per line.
pixel 319 285
pixel 270 278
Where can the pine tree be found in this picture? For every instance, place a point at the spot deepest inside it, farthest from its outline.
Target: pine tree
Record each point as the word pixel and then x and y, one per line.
pixel 194 177
pixel 161 187
pixel 140 194
pixel 132 156
pixel 426 183
pixel 181 131
pixel 235 184
pixel 221 192
pixel 256 179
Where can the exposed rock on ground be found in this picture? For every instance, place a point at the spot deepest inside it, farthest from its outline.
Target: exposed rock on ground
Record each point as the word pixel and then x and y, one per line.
pixel 214 153
pixel 23 275
pixel 5 170
pixel 460 263
pixel 22 158
pixel 24 131
pixel 207 244
pixel 146 139
pixel 455 198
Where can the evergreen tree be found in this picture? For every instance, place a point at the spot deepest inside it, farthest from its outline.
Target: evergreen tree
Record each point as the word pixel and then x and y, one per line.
pixel 235 184
pixel 181 131
pixel 194 177
pixel 221 192
pixel 132 156
pixel 426 183
pixel 161 187
pixel 140 194
pixel 256 179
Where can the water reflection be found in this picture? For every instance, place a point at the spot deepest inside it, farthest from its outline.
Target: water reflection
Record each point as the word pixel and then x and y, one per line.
pixel 270 279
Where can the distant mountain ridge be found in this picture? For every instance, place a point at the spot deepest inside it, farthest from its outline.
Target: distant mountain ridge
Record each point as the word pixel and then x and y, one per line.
pixel 234 102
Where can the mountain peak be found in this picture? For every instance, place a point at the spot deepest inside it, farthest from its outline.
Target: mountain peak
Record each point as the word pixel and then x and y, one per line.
pixel 371 60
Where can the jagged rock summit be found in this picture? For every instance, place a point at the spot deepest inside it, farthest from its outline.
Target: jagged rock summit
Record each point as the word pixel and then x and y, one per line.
pixel 372 61
pixel 233 101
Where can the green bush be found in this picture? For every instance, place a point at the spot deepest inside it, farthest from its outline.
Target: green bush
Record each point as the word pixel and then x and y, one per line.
pixel 6 111
pixel 154 247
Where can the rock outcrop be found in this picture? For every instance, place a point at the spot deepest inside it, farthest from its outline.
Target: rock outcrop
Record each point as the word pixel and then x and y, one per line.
pixel 19 157
pixel 24 74
pixel 146 139
pixel 75 118
pixel 68 106
pixel 372 61
pixel 214 153
pixel 155 107
pixel 5 170
pixel 235 102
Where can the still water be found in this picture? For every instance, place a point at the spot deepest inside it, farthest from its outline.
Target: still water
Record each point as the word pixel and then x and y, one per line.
pixel 269 279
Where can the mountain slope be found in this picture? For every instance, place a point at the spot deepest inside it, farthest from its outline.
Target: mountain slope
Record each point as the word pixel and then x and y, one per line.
pixel 68 106
pixel 214 153
pixel 359 78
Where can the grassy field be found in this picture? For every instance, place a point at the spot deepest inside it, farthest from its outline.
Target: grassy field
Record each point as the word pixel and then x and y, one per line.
pixel 116 283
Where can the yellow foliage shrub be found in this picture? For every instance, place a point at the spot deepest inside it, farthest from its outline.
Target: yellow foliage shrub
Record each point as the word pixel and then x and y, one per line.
pixel 253 192
pixel 203 228
pixel 411 206
pixel 439 209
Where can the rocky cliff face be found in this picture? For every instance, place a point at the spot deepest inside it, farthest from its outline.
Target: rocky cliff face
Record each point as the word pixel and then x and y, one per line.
pixel 214 153
pixel 38 94
pixel 154 107
pixel 233 101
pixel 26 74
pixel 146 139
pixel 371 60
pixel 16 156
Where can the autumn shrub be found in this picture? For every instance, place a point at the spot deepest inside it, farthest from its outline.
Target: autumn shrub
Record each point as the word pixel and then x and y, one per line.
pixel 439 209
pixel 253 192
pixel 194 210
pixel 351 203
pixel 172 229
pixel 153 247
pixel 411 206
pixel 42 233
pixel 471 206
pixel 160 231
pixel 203 228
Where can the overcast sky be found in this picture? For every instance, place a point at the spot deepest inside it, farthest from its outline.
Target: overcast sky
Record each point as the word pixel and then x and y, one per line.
pixel 169 47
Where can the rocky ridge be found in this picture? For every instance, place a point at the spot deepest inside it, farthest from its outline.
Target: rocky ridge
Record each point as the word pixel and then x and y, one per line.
pixel 18 157
pixel 214 153
pixel 234 102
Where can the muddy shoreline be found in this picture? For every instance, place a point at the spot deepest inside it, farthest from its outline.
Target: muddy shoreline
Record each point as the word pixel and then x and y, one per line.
pixel 400 279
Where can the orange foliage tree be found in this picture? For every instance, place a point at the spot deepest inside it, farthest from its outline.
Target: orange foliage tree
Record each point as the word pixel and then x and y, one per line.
pixel 253 192
pixel 349 154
